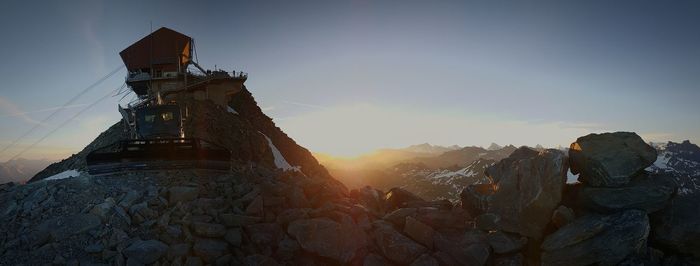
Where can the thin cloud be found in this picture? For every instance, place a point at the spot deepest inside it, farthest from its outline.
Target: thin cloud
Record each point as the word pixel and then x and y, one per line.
pixel 13 110
pixel 307 105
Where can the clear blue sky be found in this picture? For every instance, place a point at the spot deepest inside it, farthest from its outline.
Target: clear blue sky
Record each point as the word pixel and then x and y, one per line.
pixel 346 77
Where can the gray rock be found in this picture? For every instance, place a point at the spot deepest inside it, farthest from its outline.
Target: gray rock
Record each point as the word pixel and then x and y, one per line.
pixel 235 220
pixel 145 252
pixel 395 246
pixel 510 260
pixel 375 260
pixel 648 192
pixel 182 194
pixel 102 210
pixel 94 248
pixel 264 234
pixel 398 216
pixel 256 207
pixel 610 159
pixel 328 238
pixel 287 249
pixel 208 229
pixel 234 237
pixel 419 232
pixel 562 216
pixel 677 226
pixel 209 249
pixel 425 260
pixel 505 243
pixel 399 198
pixel 468 248
pixel 63 227
pixel 597 239
pixel 194 261
pixel 178 250
pixel 129 198
pixel 530 186
pixel 289 215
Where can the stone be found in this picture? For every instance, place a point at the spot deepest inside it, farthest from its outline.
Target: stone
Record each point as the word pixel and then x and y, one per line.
pixel 256 207
pixel 530 186
pixel 208 229
pixel 289 215
pixel 235 220
pixel 287 249
pixel 209 249
pixel 441 218
pixel 425 260
pixel 194 261
pixel 145 252
pixel 395 246
pixel 610 159
pixel 374 260
pixel 648 192
pixel 182 194
pixel 259 260
pixel 398 216
pixel 474 198
pixel 327 238
pixel 129 198
pixel 562 216
pixel 468 248
pixel 117 237
pixel 234 237
pixel 297 199
pixel 63 227
pixel 511 260
pixel 597 239
pixel 264 234
pixel 178 250
pixel 94 248
pixel 502 243
pixel 419 232
pixel 102 210
pixel 677 226
pixel 399 198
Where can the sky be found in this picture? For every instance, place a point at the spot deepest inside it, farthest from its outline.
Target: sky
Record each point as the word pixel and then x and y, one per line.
pixel 348 77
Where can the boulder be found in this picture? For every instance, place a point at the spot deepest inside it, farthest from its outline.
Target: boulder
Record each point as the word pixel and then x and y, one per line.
pixel 441 218
pixel 502 243
pixel 327 238
pixel 528 187
pixel 182 194
pixel 209 249
pixel 235 220
pixel 677 226
pixel 264 234
pixel 467 248
pixel 400 198
pixel 597 239
pixel 375 260
pixel 178 250
pixel 419 232
pixel 208 229
pixel 474 198
pixel 425 260
pixel 102 210
pixel 398 216
pixel 562 216
pixel 648 192
pixel 256 207
pixel 234 237
pixel 610 159
pixel 64 227
pixel 395 246
pixel 145 252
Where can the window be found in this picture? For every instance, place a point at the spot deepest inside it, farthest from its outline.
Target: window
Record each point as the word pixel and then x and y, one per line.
pixel 167 116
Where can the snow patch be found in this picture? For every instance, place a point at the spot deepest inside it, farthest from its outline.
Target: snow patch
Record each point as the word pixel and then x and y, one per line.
pixel 231 110
pixel 571 178
pixel 280 162
pixel 64 175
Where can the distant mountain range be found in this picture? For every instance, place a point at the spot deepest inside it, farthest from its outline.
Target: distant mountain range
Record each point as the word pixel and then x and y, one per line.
pixel 435 172
pixel 20 170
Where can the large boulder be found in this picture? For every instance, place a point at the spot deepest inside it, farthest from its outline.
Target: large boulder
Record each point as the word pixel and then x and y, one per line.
pixel 327 238
pixel 467 248
pixel 610 159
pixel 400 198
pixel 648 192
pixel 677 225
pixel 597 239
pixel 527 187
pixel 395 246
pixel 146 252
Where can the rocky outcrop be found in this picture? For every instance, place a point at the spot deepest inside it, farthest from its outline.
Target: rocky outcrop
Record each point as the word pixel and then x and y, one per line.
pixel 649 192
pixel 594 239
pixel 526 188
pixel 610 159
pixel 676 227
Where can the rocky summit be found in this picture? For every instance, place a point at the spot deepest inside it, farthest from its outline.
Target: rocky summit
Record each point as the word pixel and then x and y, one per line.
pixel 278 206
